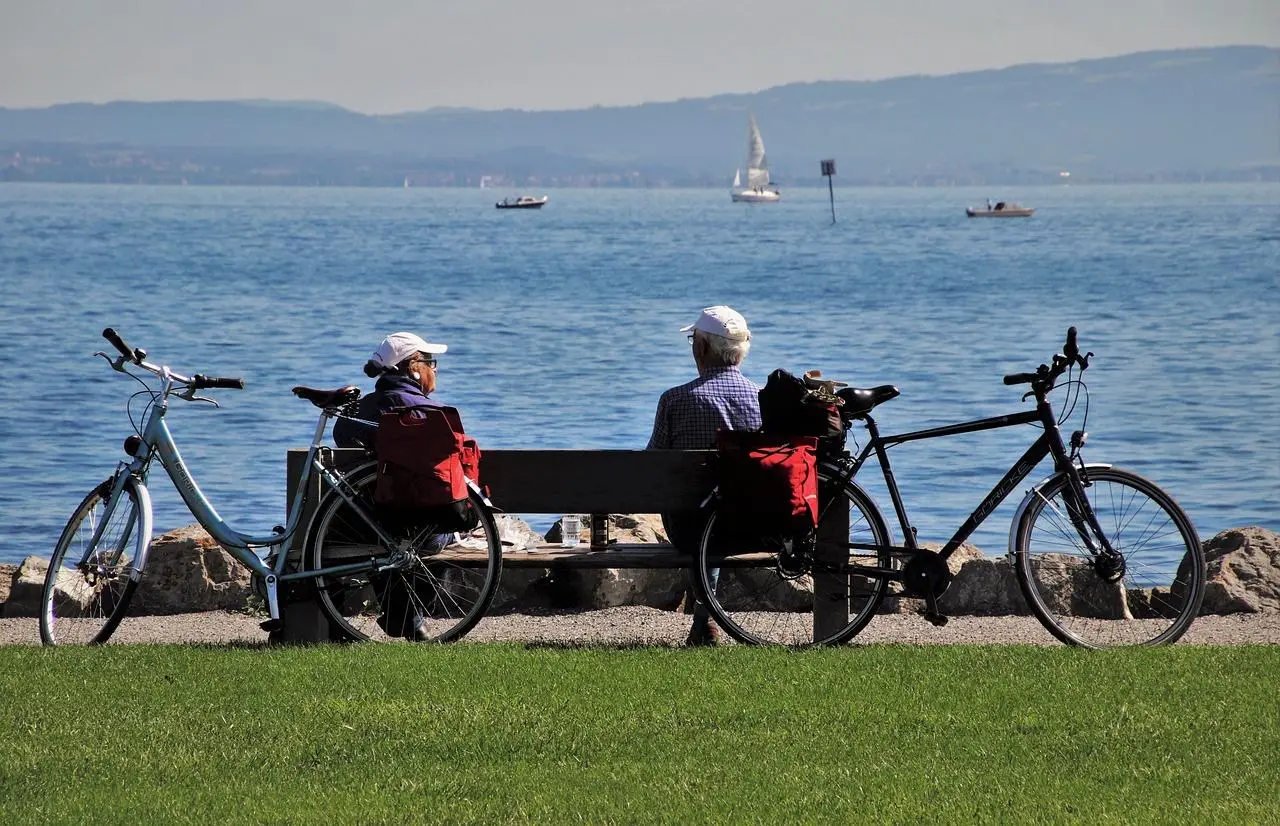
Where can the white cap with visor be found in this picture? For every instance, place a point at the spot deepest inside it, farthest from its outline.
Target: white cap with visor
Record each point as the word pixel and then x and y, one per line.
pixel 397 347
pixel 721 321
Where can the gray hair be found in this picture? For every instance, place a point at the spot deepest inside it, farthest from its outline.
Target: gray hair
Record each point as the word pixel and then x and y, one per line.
pixel 723 352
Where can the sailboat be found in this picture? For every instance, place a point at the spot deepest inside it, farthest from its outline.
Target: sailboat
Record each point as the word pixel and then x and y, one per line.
pixel 758 189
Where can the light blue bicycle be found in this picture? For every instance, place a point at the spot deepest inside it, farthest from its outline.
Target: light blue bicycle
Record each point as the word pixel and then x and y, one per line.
pixel 372 576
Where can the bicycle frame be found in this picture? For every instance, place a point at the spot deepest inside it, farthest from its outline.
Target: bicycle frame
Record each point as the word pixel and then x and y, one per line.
pixel 1049 443
pixel 157 441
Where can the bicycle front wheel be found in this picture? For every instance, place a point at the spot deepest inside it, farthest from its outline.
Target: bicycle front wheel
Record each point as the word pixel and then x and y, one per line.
pixel 432 586
pixel 1147 592
pixel 762 593
pixel 89 584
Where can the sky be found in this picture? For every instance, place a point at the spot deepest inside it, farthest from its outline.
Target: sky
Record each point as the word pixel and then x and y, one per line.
pixel 388 56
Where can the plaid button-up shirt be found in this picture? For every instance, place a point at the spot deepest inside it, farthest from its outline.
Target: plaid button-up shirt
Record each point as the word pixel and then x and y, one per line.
pixel 689 415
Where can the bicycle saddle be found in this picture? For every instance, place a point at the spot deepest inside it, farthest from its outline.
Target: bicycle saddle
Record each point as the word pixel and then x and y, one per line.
pixel 328 398
pixel 858 401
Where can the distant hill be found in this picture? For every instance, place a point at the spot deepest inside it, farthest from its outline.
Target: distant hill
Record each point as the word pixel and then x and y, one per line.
pixel 1152 115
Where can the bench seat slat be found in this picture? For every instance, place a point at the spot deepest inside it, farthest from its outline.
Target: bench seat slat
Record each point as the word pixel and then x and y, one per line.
pixel 649 555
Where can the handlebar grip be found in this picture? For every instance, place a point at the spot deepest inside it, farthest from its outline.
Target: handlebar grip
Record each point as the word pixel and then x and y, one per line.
pixel 1020 378
pixel 1071 350
pixel 128 352
pixel 199 382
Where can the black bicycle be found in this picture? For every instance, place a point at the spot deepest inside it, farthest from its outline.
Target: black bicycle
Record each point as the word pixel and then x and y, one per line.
pixel 1104 557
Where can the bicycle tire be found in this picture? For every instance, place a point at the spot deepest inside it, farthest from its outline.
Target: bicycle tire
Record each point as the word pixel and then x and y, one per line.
pixel 1151 599
pixel 441 600
pixel 88 587
pixel 768 604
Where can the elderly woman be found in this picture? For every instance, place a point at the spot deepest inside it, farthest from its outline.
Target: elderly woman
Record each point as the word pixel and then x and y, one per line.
pixel 405 367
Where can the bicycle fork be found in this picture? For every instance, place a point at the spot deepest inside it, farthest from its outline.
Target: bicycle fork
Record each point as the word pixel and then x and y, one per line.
pixel 113 492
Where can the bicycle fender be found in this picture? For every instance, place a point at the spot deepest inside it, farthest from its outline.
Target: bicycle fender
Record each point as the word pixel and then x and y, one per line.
pixel 473 486
pixel 144 527
pixel 1031 497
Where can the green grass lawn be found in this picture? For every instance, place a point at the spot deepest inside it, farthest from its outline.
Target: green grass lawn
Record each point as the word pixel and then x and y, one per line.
pixel 485 733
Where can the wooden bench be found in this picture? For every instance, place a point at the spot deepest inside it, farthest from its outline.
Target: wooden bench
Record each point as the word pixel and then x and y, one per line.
pixel 585 482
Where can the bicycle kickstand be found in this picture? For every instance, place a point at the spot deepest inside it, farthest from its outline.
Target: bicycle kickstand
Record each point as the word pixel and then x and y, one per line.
pixel 931 612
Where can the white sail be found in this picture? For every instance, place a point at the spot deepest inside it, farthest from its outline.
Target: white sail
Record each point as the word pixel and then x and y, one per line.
pixel 757 162
pixel 758 189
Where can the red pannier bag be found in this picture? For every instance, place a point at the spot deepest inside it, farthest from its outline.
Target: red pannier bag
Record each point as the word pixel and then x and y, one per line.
pixel 768 485
pixel 424 461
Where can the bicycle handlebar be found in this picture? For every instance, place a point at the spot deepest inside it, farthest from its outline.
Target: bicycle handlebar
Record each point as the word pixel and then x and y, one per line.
pixel 135 356
pixel 198 382
pixel 138 357
pixel 1044 377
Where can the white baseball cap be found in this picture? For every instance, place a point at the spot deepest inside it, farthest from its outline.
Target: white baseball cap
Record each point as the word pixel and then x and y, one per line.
pixel 721 321
pixel 397 347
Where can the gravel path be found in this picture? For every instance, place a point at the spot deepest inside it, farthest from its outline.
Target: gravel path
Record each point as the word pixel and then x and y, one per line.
pixel 648 626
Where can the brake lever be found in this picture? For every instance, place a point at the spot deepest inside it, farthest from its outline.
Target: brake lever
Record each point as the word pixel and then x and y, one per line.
pixel 116 363
pixel 190 395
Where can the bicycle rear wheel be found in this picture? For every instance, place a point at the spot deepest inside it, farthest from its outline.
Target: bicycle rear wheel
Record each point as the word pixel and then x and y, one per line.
pixel 770 597
pixel 432 587
pixel 88 586
pixel 1148 594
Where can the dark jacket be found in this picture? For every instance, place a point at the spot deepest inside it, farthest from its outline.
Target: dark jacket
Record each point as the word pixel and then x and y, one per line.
pixel 392 391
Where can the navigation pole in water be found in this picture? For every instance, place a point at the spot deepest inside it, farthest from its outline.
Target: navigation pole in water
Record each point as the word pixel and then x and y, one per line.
pixel 829 170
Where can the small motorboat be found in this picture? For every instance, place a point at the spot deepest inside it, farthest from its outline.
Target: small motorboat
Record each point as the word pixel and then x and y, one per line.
pixel 1001 209
pixel 523 202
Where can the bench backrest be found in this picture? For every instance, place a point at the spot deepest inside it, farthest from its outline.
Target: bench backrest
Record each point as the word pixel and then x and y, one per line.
pixel 579 481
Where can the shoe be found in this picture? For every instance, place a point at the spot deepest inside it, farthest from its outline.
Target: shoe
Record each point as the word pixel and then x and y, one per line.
pixel 704 633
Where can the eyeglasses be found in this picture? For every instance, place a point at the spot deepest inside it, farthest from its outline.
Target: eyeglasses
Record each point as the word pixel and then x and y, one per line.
pixel 421 359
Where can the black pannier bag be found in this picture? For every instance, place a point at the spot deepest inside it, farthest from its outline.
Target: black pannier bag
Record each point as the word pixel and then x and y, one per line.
pixel 790 407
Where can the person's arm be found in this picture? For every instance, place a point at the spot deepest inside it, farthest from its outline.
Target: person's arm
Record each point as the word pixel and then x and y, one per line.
pixel 660 439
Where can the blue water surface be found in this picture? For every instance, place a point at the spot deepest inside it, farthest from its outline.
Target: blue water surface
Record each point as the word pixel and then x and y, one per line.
pixel 562 326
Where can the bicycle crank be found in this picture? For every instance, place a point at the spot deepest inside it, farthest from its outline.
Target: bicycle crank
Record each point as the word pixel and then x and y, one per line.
pixel 926 575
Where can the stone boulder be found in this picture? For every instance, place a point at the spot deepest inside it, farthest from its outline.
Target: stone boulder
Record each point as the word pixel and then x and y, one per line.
pixel 1243 572
pixel 592 588
pixel 966 594
pixel 7 573
pixel 26 587
pixel 187 570
pixel 983 586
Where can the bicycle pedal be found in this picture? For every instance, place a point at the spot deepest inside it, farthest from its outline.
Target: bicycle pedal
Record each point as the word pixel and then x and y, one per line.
pixel 937 619
pixel 271 625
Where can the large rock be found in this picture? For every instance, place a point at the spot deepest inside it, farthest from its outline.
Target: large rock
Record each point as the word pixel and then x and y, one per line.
pixel 592 588
pixel 74 594
pixel 7 573
pixel 983 586
pixel 1069 585
pixel 187 570
pixel 1243 572
pixel 963 592
pixel 26 586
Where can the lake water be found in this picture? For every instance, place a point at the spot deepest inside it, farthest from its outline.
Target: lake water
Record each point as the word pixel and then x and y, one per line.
pixel 562 326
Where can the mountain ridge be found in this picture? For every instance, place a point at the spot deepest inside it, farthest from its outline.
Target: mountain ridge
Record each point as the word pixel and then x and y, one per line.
pixel 1180 112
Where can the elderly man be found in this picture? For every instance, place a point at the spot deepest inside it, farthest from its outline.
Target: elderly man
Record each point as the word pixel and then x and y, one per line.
pixel 690 414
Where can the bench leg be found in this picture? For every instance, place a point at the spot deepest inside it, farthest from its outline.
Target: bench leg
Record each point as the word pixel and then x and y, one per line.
pixel 304 622
pixel 831 591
